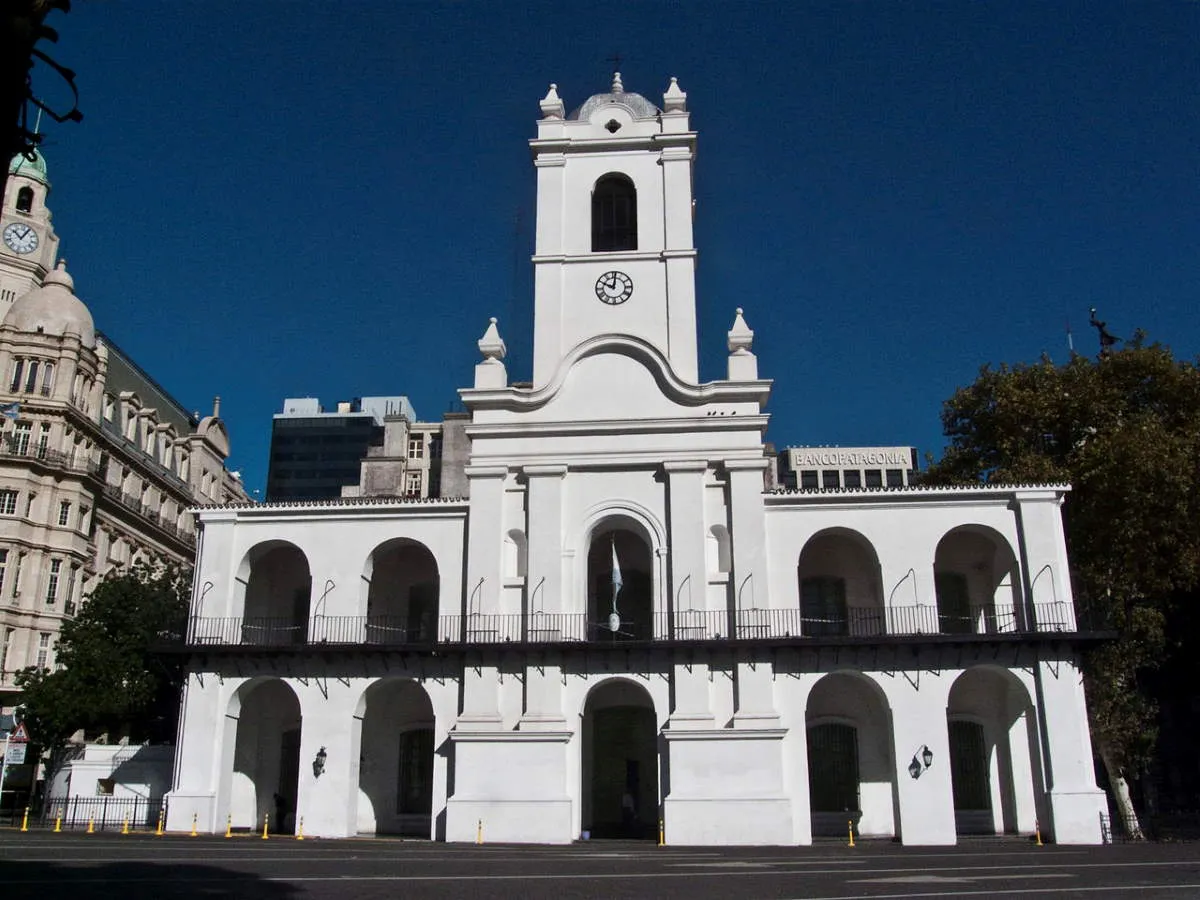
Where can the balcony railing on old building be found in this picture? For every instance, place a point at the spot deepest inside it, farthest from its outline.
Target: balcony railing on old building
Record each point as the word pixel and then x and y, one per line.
pixel 678 626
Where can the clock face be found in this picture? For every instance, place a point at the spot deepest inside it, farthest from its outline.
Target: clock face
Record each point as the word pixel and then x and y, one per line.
pixel 20 238
pixel 614 288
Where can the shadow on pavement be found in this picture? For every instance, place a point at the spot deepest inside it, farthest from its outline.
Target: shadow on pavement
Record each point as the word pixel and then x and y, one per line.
pixel 156 881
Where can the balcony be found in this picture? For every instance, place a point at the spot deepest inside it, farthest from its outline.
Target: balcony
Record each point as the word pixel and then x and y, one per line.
pixel 859 626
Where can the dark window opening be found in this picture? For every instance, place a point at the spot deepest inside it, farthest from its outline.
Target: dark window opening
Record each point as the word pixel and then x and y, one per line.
pixel 25 200
pixel 614 214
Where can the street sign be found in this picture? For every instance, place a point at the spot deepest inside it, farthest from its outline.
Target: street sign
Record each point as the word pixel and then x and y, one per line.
pixel 20 735
pixel 15 755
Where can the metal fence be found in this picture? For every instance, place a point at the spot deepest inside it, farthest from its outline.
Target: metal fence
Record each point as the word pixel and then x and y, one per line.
pixel 679 625
pixel 104 813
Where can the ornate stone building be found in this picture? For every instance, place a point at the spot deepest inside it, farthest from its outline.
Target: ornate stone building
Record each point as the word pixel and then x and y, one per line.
pixel 99 465
pixel 617 623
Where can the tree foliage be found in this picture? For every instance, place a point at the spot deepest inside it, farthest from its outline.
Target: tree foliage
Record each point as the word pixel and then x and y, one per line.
pixel 1124 432
pixel 111 676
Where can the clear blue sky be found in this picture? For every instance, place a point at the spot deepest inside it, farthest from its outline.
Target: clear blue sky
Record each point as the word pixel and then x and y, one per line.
pixel 270 199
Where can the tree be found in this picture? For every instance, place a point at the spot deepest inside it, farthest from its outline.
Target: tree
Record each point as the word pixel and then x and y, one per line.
pixel 1124 431
pixel 112 676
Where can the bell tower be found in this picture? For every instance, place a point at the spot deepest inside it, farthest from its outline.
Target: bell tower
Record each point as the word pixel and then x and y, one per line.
pixel 614 251
pixel 28 244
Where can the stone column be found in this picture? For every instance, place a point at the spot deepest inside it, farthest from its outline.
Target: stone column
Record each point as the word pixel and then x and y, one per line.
pixel 1075 801
pixel 926 802
pixel 544 514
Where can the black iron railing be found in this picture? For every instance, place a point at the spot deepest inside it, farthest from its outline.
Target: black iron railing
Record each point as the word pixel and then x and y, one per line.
pixel 677 626
pixel 102 813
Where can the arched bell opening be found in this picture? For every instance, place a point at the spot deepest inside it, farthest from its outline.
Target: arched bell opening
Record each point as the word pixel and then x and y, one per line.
pixel 620 762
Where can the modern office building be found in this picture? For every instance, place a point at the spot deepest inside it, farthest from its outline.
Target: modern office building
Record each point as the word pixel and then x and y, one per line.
pixel 99 465
pixel 617 622
pixel 832 468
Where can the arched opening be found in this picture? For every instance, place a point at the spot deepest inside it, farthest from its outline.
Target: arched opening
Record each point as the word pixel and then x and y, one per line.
pixel 402 595
pixel 975 578
pixel 614 214
pixel 266 757
pixel 395 775
pixel 620 583
pixel 620 762
pixel 841 589
pixel 278 588
pixel 993 753
pixel 25 200
pixel 850 772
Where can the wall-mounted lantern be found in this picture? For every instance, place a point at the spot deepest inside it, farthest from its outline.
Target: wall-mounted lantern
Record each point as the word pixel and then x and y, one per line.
pixel 921 761
pixel 319 763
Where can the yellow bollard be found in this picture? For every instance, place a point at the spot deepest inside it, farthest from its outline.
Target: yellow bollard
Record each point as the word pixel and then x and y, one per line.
pixel 479 832
pixel 662 834
pixel 25 820
pixel 125 825
pixel 194 832
pixel 1038 831
pixel 159 831
pixel 850 825
pixel 91 823
pixel 229 825
pixel 300 830
pixel 266 820
pixel 58 822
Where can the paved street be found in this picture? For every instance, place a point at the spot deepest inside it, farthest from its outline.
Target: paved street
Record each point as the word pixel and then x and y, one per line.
pixel 41 866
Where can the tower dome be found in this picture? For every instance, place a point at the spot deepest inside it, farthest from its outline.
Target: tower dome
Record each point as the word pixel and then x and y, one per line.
pixel 636 103
pixel 53 309
pixel 29 168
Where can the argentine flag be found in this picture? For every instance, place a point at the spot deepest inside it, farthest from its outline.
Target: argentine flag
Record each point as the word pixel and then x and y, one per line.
pixel 616 572
pixel 10 410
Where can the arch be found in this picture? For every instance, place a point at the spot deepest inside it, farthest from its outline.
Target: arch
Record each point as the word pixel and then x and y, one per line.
pixel 840 585
pixel 720 557
pixel 976 582
pixel 275 587
pixel 402 585
pixel 25 200
pixel 620 761
pixel 263 722
pixel 395 722
pixel 621 583
pixel 614 213
pixel 850 756
pixel 515 554
pixel 994 752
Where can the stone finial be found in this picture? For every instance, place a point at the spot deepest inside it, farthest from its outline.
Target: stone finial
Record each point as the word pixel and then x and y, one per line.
pixel 216 407
pixel 743 365
pixel 740 337
pixel 552 105
pixel 617 87
pixel 491 345
pixel 490 373
pixel 674 100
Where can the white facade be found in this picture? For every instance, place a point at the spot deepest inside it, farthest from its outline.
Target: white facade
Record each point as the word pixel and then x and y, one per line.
pixel 619 625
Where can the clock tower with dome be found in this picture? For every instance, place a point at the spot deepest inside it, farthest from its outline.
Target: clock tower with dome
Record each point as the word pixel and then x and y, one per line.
pixel 614 251
pixel 28 244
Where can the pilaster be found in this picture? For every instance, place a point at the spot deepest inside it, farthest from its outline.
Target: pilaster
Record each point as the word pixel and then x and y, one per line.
pixel 544 515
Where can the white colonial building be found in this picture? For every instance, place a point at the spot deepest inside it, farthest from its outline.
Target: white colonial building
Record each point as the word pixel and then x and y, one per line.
pixel 619 624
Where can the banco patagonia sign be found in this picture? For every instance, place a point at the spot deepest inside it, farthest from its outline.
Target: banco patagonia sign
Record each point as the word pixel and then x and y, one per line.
pixel 850 457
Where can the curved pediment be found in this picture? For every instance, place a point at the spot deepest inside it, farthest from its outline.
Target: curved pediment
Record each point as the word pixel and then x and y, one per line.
pixel 616 376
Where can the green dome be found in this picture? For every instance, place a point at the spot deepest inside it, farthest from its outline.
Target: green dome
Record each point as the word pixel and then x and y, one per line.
pixel 35 169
